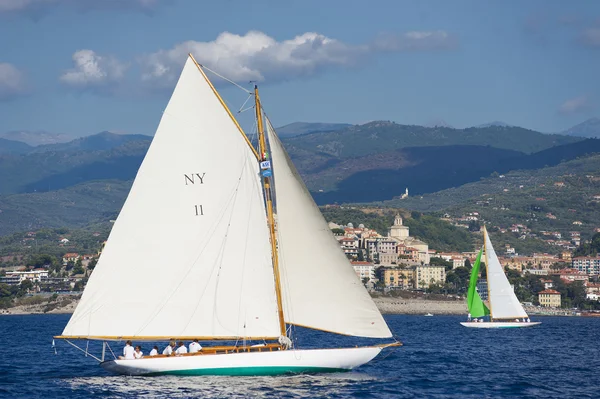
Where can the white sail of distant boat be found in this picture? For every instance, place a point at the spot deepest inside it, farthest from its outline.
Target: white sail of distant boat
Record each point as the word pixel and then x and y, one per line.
pixel 199 252
pixel 505 310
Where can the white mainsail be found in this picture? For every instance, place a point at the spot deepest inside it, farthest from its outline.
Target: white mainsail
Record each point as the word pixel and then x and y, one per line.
pixel 189 254
pixel 503 301
pixel 320 290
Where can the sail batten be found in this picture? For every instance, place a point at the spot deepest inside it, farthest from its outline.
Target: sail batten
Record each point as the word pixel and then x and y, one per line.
pixel 189 254
pixel 504 304
pixel 320 289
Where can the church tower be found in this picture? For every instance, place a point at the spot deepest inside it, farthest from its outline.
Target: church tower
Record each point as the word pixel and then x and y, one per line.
pixel 398 231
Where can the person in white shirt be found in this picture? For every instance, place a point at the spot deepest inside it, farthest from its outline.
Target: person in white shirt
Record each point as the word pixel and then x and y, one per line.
pixel 181 350
pixel 195 347
pixel 128 351
pixel 154 351
pixel 169 349
pixel 137 353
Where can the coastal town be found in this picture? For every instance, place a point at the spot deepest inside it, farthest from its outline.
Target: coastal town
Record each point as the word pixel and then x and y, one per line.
pixel 389 264
pixel 398 261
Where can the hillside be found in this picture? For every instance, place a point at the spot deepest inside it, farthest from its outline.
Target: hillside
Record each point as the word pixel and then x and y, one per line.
pixel 96 142
pixel 53 170
pixel 382 136
pixel 77 206
pixel 426 170
pixel 11 146
pixel 438 234
pixel 34 138
pixel 298 128
pixel 588 128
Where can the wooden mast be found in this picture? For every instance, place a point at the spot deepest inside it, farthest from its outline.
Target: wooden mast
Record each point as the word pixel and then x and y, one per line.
pixel 271 220
pixel 487 271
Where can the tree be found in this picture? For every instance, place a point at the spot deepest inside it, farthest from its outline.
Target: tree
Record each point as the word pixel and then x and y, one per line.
pixel 441 262
pixel 361 256
pixel 78 269
pixel 468 264
pixel 94 262
pixel 474 225
pixel 337 232
pixel 26 285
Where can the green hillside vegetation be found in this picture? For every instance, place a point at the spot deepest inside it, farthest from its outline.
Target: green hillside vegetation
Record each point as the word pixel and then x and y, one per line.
pixel 77 206
pixel 382 136
pixel 56 169
pixel 440 235
pixel 494 184
pixel 44 249
pixel 298 128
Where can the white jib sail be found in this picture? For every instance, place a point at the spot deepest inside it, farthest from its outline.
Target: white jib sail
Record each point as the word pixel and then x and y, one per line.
pixel 189 254
pixel 504 302
pixel 320 289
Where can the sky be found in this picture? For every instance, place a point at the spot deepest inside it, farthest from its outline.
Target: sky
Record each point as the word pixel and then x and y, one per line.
pixel 79 67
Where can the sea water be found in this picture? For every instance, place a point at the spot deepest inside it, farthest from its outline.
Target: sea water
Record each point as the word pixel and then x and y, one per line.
pixel 439 359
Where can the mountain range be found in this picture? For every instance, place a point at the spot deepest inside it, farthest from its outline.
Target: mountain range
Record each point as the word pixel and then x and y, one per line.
pixel 589 128
pixel 87 178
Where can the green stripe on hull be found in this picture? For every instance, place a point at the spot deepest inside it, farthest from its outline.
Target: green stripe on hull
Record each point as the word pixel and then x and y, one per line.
pixel 248 371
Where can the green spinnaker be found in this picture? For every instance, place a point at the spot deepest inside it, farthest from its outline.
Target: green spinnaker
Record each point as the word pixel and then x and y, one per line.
pixel 476 306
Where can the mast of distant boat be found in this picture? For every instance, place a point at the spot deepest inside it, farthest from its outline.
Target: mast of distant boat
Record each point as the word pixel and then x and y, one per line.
pixel 487 272
pixel 269 202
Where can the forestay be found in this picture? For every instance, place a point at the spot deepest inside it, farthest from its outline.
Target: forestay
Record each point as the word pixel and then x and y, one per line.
pixel 504 302
pixel 319 286
pixel 189 254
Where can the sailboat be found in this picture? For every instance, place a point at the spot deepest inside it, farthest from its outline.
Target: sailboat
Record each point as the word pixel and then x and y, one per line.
pixel 222 242
pixel 505 310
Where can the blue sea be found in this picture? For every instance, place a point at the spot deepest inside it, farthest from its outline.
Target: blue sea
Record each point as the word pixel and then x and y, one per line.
pixel 439 359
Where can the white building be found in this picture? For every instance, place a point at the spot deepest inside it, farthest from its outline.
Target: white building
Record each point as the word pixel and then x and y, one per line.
pixel 364 270
pixel 16 278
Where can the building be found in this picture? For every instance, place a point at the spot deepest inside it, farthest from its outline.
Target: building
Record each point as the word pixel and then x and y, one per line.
pixel 400 233
pixel 349 246
pixel 16 277
pixel 587 265
pixel 570 275
pixel 427 275
pixel 364 270
pixel 70 257
pixel 457 260
pixel 397 278
pixel 549 298
pixel 482 289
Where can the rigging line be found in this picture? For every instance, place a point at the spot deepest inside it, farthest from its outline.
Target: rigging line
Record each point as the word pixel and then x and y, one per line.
pixel 224 243
pixel 245 102
pixel 110 349
pixel 83 350
pixel 244 268
pixel 226 79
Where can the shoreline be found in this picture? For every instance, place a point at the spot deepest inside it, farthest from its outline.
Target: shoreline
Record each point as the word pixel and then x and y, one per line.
pixel 385 304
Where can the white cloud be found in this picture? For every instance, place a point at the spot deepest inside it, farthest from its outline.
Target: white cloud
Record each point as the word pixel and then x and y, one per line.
pixel 93 70
pixel 257 56
pixel 574 105
pixel 44 5
pixel 12 82
pixel 591 37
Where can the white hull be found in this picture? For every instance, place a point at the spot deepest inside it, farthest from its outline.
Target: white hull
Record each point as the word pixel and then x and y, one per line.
pixel 256 363
pixel 499 324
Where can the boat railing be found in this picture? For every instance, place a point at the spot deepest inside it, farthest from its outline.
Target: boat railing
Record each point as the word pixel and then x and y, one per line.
pixel 215 350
